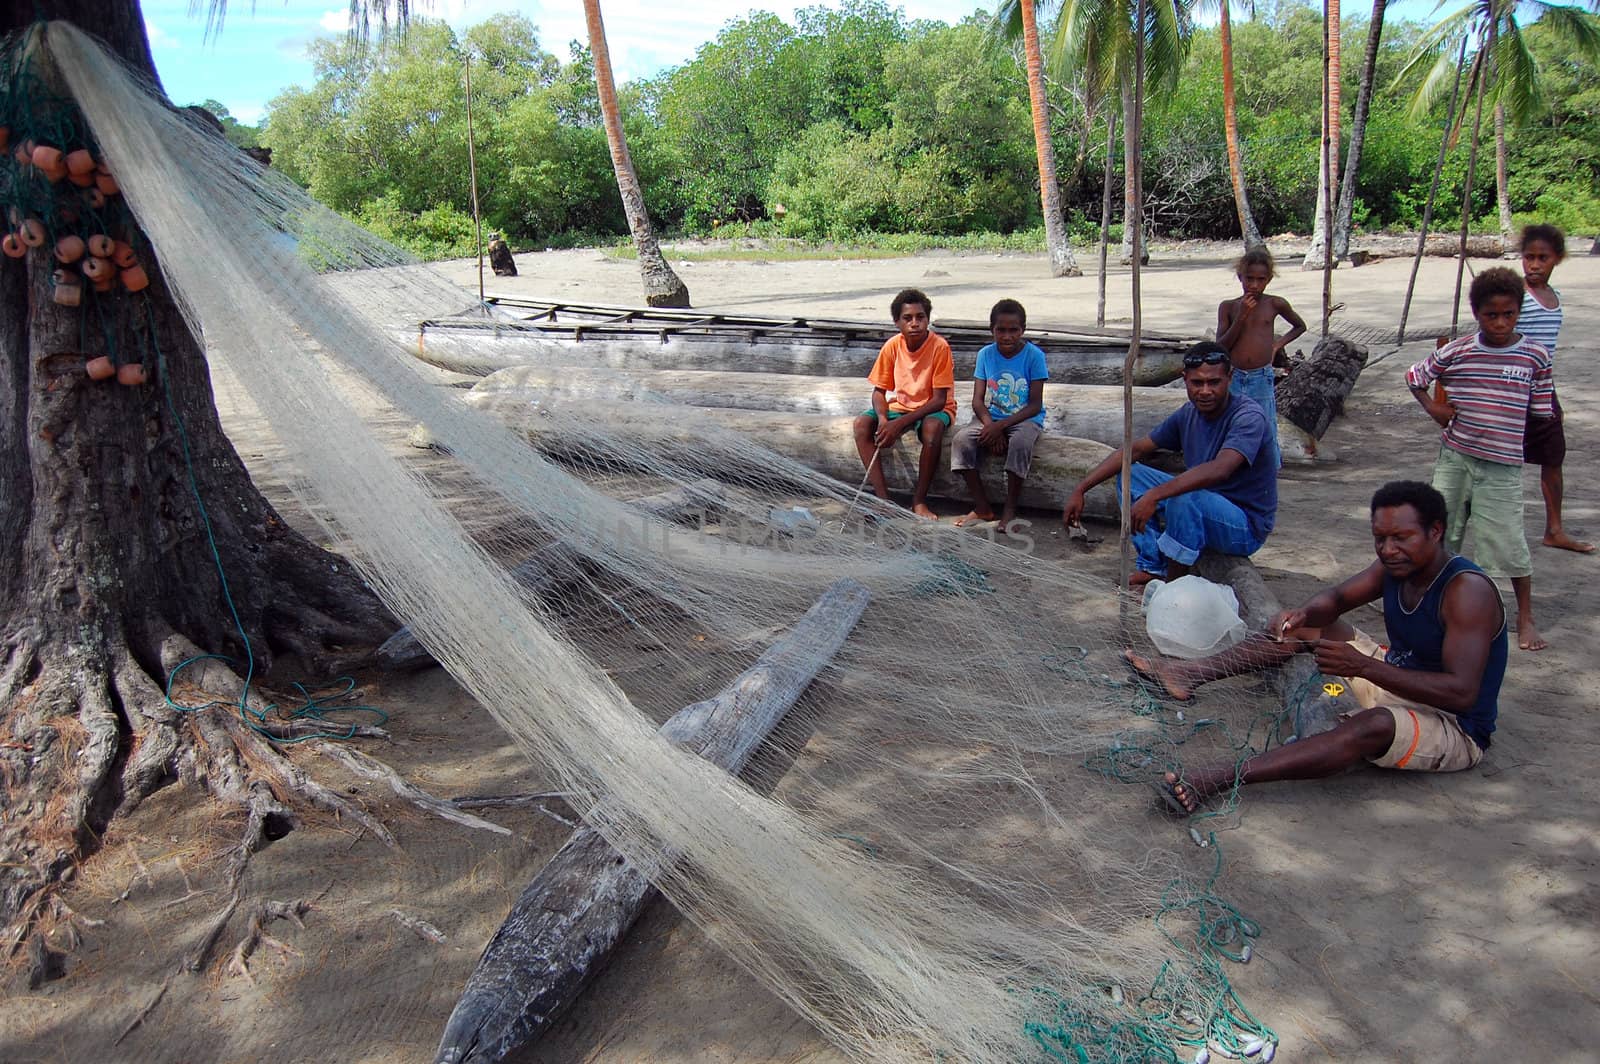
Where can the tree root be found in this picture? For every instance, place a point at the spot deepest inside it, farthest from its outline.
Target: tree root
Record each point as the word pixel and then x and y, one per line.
pixel 372 769
pixel 255 935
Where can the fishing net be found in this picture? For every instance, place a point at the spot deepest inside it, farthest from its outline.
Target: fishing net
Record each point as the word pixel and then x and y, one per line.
pixel 945 869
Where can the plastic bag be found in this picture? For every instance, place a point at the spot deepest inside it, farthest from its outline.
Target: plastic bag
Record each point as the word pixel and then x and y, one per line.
pixel 1191 617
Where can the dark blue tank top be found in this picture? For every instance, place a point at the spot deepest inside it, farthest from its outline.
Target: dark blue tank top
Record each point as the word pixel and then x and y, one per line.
pixel 1416 641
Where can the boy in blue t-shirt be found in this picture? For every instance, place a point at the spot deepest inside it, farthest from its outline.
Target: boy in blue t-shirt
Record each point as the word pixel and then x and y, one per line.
pixel 1007 413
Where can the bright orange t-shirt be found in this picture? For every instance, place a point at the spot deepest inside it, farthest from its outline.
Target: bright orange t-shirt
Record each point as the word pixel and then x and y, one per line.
pixel 911 376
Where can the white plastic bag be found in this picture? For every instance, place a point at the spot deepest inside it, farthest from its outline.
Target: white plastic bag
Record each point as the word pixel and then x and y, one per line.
pixel 1191 617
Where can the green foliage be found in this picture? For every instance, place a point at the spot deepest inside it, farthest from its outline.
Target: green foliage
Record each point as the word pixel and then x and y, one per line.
pixel 238 134
pixel 890 134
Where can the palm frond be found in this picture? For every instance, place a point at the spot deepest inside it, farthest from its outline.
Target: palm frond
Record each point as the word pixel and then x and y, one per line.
pixel 1516 74
pixel 390 16
pixel 1573 26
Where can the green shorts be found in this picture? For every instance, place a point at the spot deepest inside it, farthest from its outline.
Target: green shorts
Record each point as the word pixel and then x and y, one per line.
pixel 916 426
pixel 1485 498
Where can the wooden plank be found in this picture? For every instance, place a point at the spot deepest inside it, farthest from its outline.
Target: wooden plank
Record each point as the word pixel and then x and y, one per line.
pixel 564 926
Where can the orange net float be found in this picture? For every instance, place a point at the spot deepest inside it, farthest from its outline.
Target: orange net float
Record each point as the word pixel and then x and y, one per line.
pixel 69 249
pixel 131 373
pixel 12 246
pixel 81 180
pixel 45 157
pixel 101 246
pixel 68 295
pixel 100 368
pixel 134 279
pixel 32 233
pixel 106 184
pixel 80 162
pixel 122 254
pixel 98 269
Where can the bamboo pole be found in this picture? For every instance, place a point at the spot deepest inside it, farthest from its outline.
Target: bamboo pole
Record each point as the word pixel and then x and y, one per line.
pixel 1329 31
pixel 472 167
pixel 1433 191
pixel 1136 210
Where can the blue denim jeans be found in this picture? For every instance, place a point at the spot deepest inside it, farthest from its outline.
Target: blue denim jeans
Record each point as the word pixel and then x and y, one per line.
pixel 1185 525
pixel 1258 385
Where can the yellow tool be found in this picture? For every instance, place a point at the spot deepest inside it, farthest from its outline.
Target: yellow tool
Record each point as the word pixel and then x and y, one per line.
pixel 1333 690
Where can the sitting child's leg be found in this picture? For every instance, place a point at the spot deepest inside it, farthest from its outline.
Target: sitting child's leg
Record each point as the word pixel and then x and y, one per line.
pixel 865 429
pixel 1020 443
pixel 966 458
pixel 931 432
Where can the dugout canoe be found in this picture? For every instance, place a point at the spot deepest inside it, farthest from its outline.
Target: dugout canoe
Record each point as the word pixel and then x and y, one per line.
pixel 511 332
pixel 820 443
pixel 1086 411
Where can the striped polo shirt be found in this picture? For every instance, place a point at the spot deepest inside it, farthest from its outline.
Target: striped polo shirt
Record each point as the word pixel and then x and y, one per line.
pixel 1539 323
pixel 1494 389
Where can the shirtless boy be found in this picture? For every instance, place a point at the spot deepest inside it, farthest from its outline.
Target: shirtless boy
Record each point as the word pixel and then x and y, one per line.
pixel 1246 327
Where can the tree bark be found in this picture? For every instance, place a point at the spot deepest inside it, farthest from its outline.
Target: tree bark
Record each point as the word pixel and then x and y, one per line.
pixel 1132 212
pixel 106 557
pixel 1105 211
pixel 1358 132
pixel 1314 392
pixel 662 288
pixel 1482 61
pixel 1502 193
pixel 1328 172
pixel 1062 262
pixel 1230 125
pixel 565 925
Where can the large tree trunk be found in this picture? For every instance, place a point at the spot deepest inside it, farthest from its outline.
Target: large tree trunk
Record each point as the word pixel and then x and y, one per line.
pixel 1328 173
pixel 107 564
pixel 1230 125
pixel 1132 213
pixel 1358 133
pixel 1502 194
pixel 1062 263
pixel 662 288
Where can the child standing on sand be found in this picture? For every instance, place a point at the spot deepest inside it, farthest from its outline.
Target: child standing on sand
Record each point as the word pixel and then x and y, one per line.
pixel 913 389
pixel 1495 379
pixel 1246 328
pixel 1544 440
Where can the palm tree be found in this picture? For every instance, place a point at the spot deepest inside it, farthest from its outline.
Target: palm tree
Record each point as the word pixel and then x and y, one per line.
pixel 1094 39
pixel 1358 133
pixel 1508 74
pixel 1062 263
pixel 662 288
pixel 1328 171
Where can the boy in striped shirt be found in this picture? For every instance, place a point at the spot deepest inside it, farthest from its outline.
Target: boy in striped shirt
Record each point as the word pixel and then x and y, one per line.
pixel 1496 379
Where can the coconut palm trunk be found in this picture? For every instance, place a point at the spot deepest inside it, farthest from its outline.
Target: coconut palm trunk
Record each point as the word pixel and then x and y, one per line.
pixel 1132 209
pixel 1062 263
pixel 1501 193
pixel 662 288
pixel 1316 258
pixel 1230 126
pixel 1358 134
pixel 1483 59
pixel 1105 209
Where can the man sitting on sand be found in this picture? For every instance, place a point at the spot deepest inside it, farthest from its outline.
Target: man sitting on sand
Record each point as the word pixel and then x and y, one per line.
pixel 1225 500
pixel 1429 700
pixel 913 389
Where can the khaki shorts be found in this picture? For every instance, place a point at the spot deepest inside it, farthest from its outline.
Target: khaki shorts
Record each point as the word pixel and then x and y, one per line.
pixel 1425 739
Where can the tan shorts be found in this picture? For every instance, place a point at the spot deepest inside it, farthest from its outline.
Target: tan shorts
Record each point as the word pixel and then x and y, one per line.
pixel 1425 739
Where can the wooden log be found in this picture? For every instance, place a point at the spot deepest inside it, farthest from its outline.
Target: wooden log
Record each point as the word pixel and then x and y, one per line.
pixel 552 565
pixel 1313 394
pixel 483 349
pixel 562 929
pixel 1085 411
pixel 818 442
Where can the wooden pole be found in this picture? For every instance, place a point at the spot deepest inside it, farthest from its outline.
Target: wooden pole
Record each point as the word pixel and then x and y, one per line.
pixel 1136 210
pixel 472 167
pixel 1433 191
pixel 1328 32
pixel 565 925
pixel 1105 211
pixel 1482 72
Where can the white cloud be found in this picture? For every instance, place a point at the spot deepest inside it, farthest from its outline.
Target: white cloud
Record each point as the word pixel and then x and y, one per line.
pixel 335 21
pixel 159 38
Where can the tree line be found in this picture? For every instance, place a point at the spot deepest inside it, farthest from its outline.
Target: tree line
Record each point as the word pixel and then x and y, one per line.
pixel 854 122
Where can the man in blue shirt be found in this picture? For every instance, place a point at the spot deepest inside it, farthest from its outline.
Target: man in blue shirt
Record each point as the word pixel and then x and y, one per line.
pixel 1226 498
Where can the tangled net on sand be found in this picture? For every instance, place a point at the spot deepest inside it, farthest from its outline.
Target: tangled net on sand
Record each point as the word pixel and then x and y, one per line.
pixel 937 875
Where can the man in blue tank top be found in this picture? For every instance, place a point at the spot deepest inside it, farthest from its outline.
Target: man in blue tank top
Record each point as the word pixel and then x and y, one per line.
pixel 1429 699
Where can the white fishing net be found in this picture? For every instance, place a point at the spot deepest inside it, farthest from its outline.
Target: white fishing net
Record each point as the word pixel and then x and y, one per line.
pixel 943 871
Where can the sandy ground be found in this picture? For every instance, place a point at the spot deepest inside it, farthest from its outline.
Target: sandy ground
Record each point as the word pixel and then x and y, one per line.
pixel 1406 917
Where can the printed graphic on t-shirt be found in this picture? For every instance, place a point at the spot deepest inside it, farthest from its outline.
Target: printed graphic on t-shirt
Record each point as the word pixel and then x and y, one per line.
pixel 1008 394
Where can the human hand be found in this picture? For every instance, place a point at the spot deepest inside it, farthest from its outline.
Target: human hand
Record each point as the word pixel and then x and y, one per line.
pixel 1248 303
pixel 1335 657
pixel 1072 514
pixel 1144 508
pixel 1284 622
pixel 1441 410
pixel 992 436
pixel 888 432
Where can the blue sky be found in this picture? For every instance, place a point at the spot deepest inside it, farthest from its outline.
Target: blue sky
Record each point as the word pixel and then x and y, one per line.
pixel 262 51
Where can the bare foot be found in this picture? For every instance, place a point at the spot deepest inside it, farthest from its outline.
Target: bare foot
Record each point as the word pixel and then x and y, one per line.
pixel 1155 671
pixel 1190 792
pixel 923 511
pixel 975 517
pixel 1563 541
pixel 1528 637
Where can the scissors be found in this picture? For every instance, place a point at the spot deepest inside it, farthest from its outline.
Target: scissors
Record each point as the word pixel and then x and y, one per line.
pixel 1332 689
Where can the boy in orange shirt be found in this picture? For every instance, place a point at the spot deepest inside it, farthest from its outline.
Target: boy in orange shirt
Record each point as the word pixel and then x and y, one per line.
pixel 913 387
